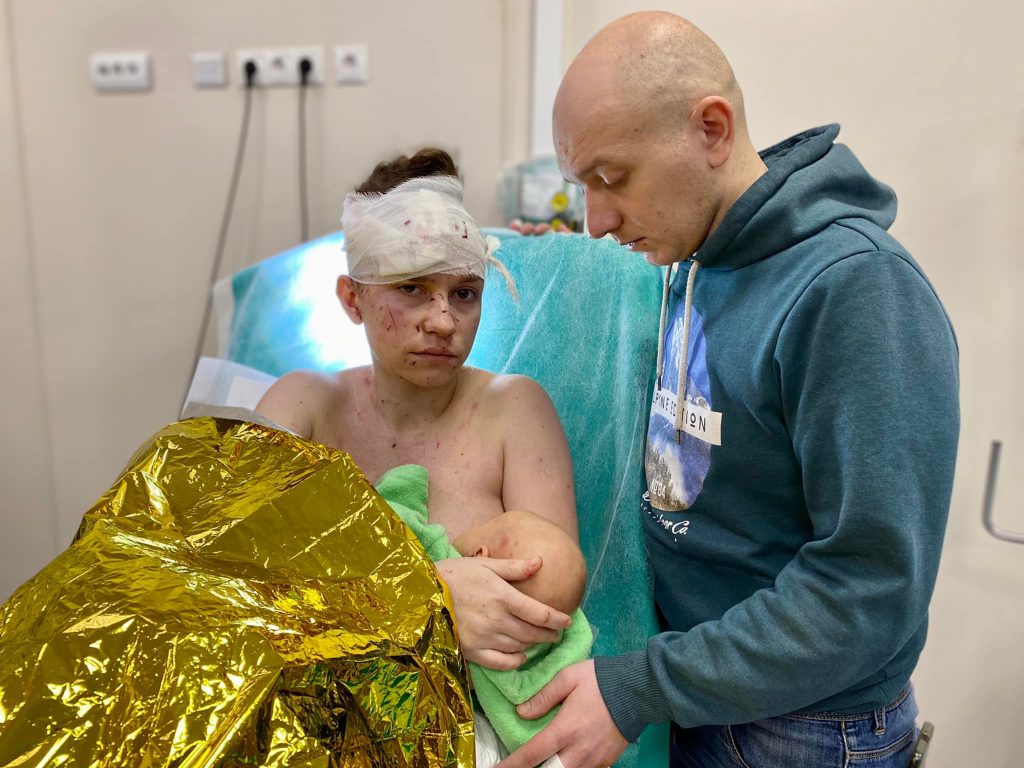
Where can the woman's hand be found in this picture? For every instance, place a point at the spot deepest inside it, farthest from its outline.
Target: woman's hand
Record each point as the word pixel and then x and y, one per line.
pixel 497 622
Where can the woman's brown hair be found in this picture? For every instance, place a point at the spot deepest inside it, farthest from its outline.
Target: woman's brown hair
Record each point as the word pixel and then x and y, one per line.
pixel 427 162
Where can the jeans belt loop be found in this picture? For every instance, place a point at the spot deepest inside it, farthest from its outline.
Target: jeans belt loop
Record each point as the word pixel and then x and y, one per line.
pixel 880 721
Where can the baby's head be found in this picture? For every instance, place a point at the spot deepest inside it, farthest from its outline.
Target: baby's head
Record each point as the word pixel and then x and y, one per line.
pixel 522 535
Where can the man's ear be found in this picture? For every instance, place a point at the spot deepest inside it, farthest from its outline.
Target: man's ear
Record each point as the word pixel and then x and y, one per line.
pixel 482 551
pixel 717 126
pixel 349 298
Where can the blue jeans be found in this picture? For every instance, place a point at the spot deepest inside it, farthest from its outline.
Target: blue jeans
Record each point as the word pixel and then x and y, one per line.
pixel 880 739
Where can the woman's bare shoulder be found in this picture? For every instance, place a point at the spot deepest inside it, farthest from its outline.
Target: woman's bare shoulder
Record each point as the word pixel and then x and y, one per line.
pixel 298 398
pixel 511 397
pixel 512 387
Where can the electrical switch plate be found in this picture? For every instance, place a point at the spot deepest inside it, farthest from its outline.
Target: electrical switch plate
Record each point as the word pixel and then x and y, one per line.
pixel 120 71
pixel 280 66
pixel 351 64
pixel 209 69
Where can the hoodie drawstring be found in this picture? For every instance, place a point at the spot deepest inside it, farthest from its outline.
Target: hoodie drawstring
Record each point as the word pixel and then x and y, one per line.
pixel 661 323
pixel 684 352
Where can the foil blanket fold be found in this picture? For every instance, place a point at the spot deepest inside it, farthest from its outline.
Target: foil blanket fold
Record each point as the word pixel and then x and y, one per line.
pixel 239 597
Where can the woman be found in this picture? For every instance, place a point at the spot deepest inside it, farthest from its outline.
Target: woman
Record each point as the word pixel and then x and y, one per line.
pixel 490 442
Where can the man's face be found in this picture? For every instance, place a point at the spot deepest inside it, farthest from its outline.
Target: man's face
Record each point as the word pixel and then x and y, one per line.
pixel 650 189
pixel 421 329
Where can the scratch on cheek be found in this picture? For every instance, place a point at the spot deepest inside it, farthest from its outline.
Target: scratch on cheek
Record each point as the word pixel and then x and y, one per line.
pixel 392 316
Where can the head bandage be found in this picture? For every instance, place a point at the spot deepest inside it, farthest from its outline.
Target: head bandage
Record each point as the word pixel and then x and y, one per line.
pixel 418 228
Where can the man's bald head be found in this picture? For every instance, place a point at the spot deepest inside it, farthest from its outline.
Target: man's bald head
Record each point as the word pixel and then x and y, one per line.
pixel 649 122
pixel 654 64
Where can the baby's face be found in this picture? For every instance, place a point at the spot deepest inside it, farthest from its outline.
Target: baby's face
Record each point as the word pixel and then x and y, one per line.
pixel 522 535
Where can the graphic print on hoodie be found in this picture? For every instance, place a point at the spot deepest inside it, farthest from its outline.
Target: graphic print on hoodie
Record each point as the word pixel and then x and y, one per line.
pixel 676 470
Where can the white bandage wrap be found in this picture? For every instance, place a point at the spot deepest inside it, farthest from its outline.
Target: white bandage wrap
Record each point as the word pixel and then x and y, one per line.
pixel 418 228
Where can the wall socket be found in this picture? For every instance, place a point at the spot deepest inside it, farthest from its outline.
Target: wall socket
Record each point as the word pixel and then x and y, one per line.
pixel 120 71
pixel 351 64
pixel 280 66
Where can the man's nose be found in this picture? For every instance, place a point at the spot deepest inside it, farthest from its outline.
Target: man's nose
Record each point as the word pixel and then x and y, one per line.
pixel 439 316
pixel 601 216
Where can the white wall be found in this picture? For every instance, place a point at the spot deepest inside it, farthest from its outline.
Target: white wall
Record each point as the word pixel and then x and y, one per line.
pixel 931 98
pixel 111 202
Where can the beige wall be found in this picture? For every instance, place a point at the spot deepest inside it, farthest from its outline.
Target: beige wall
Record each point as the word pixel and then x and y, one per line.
pixel 27 513
pixel 931 98
pixel 113 226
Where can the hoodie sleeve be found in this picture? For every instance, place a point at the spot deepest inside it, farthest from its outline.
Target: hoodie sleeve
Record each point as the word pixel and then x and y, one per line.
pixel 866 367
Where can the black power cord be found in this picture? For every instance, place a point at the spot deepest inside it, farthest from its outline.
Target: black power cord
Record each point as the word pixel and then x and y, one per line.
pixel 225 222
pixel 305 67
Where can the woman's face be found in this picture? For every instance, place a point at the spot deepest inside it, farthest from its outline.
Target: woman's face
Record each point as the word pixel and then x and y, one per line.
pixel 421 329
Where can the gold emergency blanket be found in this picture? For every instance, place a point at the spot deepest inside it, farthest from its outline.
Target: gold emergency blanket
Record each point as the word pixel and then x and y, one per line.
pixel 240 597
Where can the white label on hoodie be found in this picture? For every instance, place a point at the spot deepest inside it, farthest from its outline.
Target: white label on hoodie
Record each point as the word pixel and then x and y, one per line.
pixel 699 421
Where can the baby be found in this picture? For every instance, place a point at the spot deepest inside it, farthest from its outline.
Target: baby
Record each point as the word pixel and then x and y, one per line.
pixel 520 534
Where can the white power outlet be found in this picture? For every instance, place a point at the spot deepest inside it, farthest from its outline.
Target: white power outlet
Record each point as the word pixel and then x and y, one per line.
pixel 351 64
pixel 280 66
pixel 120 71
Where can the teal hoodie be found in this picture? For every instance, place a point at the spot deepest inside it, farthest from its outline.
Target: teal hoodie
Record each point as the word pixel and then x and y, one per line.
pixel 797 500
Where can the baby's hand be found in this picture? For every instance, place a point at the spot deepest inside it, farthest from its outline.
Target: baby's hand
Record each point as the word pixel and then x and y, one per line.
pixel 497 622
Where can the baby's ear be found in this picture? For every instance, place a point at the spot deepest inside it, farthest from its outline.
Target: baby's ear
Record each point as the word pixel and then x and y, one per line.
pixel 482 551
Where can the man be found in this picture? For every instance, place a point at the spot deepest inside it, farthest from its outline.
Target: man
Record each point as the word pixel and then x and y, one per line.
pixel 802 435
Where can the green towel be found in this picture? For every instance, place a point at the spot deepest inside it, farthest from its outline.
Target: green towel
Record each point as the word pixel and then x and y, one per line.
pixel 405 489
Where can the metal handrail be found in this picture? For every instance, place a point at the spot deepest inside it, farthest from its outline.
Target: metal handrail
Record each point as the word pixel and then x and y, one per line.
pixel 990 494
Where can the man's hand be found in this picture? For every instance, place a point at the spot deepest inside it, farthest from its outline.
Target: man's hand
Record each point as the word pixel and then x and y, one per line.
pixel 583 734
pixel 496 621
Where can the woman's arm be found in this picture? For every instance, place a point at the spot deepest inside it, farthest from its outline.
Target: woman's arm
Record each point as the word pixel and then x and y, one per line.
pixel 537 466
pixel 497 622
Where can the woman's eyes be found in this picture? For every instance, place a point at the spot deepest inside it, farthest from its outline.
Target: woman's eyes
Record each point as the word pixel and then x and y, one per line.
pixel 415 289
